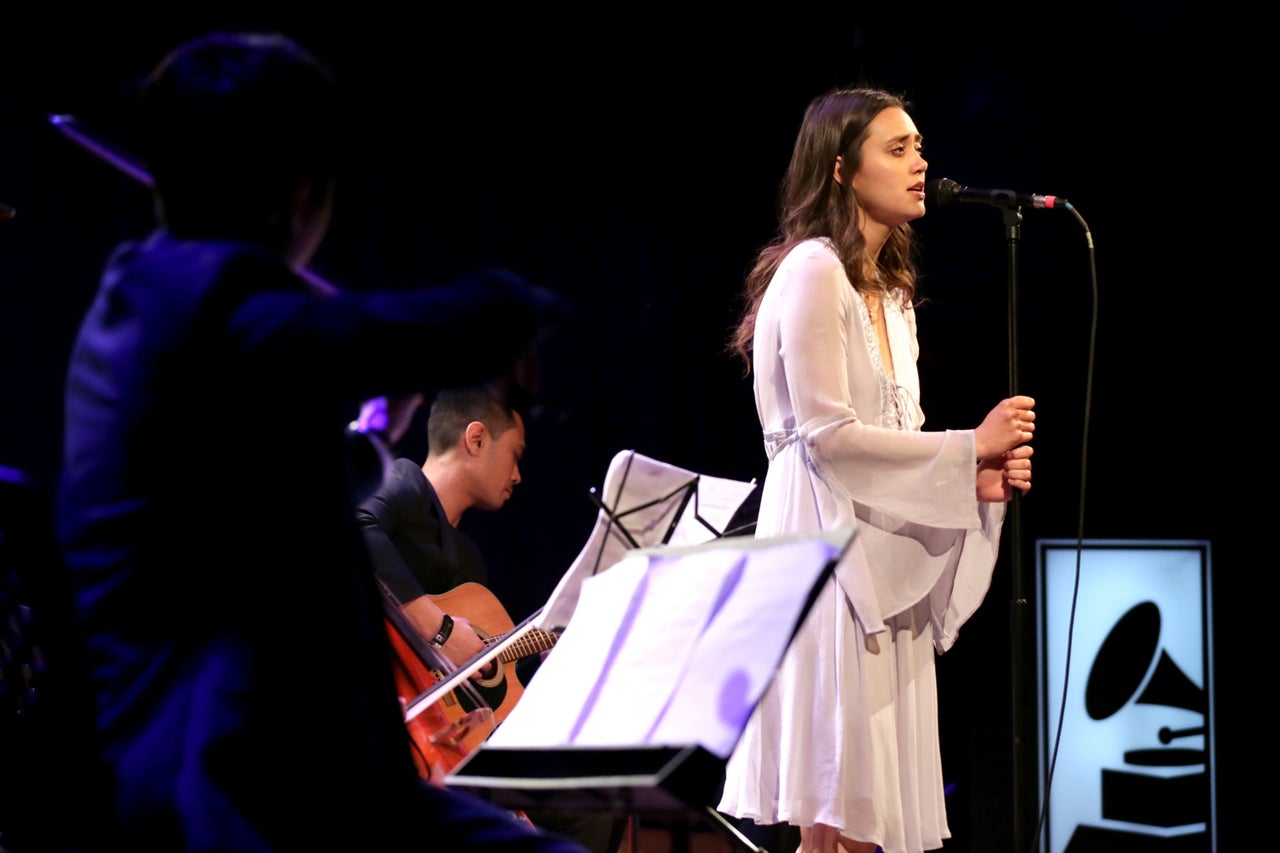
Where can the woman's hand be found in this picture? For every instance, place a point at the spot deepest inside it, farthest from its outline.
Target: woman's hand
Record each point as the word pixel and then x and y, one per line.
pixel 999 475
pixel 1010 423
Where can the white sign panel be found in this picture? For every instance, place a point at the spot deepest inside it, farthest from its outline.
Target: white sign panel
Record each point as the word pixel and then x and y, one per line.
pixel 1124 635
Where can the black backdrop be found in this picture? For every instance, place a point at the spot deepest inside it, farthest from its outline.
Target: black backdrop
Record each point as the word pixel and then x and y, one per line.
pixel 629 158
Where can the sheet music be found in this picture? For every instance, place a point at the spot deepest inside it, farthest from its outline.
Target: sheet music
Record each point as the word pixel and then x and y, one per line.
pixel 673 645
pixel 715 500
pixel 653 503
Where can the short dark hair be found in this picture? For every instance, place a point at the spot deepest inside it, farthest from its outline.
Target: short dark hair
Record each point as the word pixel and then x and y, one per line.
pixel 229 125
pixel 453 408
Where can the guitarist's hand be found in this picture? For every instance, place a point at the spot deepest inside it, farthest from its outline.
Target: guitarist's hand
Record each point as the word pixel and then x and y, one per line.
pixel 463 643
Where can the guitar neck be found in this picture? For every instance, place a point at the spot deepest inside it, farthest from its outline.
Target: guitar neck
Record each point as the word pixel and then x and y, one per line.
pixel 529 643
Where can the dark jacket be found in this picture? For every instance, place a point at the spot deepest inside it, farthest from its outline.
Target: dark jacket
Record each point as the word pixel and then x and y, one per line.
pixel 241 672
pixel 415 549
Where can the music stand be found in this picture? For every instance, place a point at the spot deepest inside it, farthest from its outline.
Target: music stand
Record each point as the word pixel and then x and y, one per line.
pixel 655 676
pixel 646 502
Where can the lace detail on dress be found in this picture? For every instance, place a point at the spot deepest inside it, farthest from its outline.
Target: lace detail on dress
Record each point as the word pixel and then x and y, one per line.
pixel 908 409
pixel 897 409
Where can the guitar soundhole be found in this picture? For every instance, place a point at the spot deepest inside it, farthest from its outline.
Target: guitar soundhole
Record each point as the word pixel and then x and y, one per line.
pixel 491 674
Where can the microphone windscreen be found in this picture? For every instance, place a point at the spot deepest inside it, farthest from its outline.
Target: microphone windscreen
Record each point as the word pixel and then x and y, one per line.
pixel 941 191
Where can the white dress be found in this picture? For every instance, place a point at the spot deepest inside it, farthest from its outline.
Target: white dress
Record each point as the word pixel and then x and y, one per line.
pixel 847 732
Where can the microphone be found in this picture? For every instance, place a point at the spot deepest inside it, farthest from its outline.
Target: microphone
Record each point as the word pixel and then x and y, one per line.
pixel 945 191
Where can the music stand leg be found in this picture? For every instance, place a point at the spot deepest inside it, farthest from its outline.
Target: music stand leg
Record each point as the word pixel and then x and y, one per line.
pixel 633 832
pixel 736 839
pixel 679 834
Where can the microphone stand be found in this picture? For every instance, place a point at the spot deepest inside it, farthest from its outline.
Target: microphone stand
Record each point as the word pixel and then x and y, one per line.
pixel 1023 661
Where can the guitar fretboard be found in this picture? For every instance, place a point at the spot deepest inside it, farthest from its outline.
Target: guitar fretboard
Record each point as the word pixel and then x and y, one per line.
pixel 529 643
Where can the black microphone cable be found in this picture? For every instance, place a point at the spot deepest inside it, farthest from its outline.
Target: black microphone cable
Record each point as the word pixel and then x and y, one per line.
pixel 1084 466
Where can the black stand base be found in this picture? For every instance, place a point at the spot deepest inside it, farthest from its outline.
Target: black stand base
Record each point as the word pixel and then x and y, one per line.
pixel 669 787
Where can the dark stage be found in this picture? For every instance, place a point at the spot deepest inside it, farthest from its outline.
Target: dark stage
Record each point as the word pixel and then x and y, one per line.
pixel 630 160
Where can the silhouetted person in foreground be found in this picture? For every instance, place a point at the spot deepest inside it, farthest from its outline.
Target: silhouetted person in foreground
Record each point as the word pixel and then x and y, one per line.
pixel 240 669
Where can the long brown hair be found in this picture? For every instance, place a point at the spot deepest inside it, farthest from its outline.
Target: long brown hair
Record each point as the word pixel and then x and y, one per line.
pixel 811 203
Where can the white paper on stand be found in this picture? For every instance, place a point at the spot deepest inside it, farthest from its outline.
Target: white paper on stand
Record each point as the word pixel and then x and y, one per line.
pixel 652 503
pixel 673 645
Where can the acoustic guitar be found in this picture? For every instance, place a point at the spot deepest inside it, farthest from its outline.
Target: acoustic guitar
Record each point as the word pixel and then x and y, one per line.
pixel 498 684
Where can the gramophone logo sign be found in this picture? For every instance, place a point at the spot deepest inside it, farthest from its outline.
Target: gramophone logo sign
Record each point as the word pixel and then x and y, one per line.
pixel 1132 768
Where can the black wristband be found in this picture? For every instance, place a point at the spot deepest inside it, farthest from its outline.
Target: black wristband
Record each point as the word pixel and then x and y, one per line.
pixel 442 636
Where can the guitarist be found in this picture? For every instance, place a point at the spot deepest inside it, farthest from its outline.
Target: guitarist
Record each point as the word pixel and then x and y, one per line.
pixel 475 440
pixel 410 523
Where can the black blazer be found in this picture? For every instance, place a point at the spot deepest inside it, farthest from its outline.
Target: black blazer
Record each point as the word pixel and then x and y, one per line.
pixel 414 548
